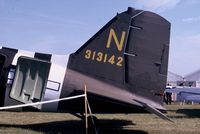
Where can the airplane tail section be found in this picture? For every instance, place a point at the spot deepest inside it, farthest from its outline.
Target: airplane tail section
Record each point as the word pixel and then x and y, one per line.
pixel 123 64
pixel 130 51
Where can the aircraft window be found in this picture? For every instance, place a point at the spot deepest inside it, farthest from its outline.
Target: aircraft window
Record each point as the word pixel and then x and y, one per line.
pixel 53 85
pixel 11 76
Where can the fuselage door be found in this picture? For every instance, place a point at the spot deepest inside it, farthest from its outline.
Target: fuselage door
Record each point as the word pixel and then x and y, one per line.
pixel 30 80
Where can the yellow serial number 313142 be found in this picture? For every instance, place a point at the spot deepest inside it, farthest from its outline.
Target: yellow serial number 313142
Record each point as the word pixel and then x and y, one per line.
pixel 103 57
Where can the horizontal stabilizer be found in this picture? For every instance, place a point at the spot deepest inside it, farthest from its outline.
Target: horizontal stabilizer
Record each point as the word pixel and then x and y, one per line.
pixel 151 109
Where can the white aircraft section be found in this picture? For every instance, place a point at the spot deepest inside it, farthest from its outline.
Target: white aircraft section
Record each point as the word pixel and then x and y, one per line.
pixel 55 80
pixel 22 53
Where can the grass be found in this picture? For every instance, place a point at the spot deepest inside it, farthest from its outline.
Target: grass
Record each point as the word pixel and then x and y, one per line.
pixel 186 118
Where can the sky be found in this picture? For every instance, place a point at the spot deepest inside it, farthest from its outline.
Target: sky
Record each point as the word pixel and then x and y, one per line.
pixel 62 26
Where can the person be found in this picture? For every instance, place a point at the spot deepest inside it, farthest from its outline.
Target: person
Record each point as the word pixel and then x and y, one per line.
pixel 168 98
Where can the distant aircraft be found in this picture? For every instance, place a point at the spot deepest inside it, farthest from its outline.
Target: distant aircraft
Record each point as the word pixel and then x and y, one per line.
pixel 184 94
pixel 124 66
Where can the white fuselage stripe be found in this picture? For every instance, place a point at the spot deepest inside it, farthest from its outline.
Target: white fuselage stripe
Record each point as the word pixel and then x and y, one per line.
pixel 55 81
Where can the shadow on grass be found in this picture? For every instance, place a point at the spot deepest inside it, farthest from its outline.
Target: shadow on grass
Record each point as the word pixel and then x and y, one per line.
pixel 77 127
pixel 190 113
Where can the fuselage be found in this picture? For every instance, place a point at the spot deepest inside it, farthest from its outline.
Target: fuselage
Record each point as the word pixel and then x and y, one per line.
pixel 62 82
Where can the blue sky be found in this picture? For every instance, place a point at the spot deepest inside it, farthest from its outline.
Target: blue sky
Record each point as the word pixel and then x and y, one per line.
pixel 62 26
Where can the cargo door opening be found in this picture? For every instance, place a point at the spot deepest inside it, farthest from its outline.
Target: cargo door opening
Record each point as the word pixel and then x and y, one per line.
pixel 30 80
pixel 2 61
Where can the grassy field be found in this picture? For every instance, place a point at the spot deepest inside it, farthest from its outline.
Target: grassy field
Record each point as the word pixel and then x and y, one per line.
pixel 186 118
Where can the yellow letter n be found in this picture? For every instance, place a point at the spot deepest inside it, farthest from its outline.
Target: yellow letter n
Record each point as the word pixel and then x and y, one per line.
pixel 113 35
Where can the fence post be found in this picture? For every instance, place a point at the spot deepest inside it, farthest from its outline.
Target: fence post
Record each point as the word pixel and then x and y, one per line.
pixel 86 119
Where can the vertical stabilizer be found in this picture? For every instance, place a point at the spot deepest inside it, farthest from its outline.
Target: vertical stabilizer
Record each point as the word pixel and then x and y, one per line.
pixel 130 51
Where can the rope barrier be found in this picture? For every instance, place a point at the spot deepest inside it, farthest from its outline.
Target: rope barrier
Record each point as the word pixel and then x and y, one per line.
pixel 43 102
